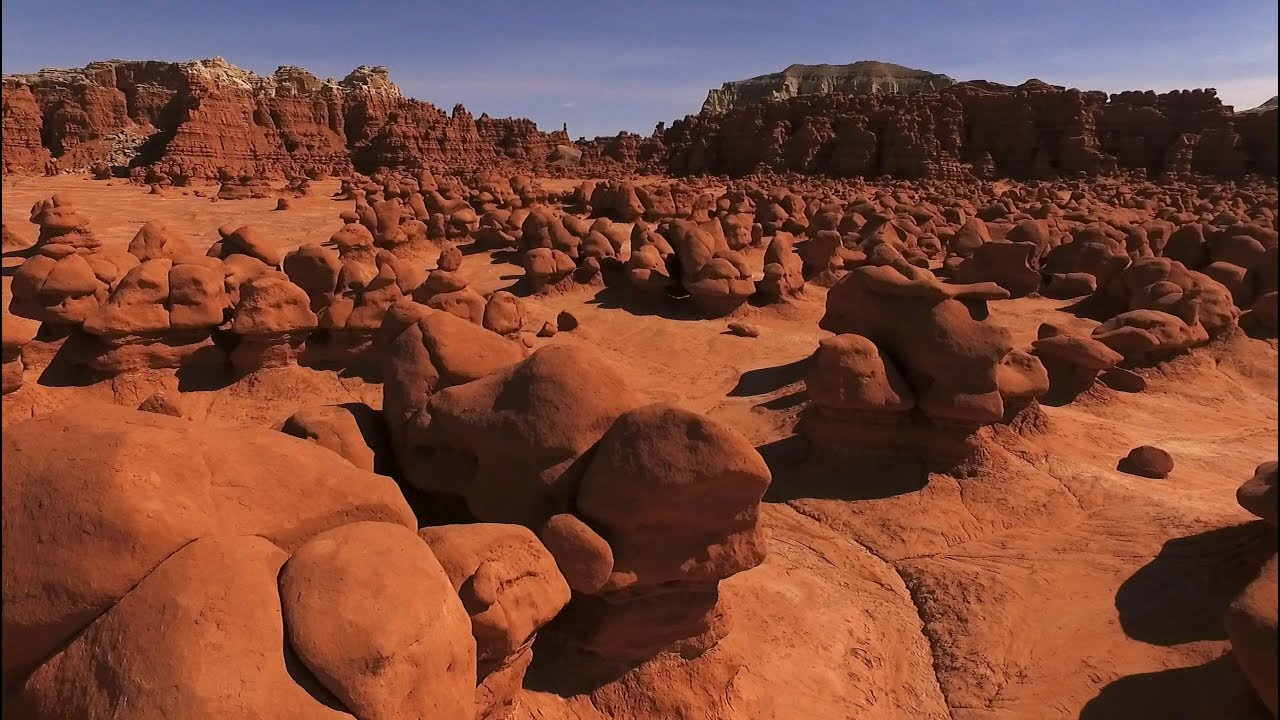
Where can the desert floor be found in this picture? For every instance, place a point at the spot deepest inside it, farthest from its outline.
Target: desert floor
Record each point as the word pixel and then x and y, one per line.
pixel 1042 583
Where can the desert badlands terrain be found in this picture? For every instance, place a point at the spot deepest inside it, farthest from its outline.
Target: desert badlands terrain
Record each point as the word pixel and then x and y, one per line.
pixel 956 401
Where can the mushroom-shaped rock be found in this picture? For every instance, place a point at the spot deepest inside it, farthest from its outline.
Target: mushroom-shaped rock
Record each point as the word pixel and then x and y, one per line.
pixel 450 258
pixel 61 224
pixel 648 273
pixel 156 240
pixel 1021 376
pixel 1007 264
pixel 109 468
pixel 371 612
pixel 504 313
pixel 1138 334
pixel 931 332
pixel 783 269
pixel 677 494
pixel 546 268
pixel 271 305
pixel 354 243
pixel 314 268
pixel 1258 494
pixel 510 586
pixel 512 440
pixel 150 653
pixel 197 296
pixel 138 303
pixel 1251 622
pixel 1064 286
pixel 1073 363
pixel 972 235
pixel 848 373
pixel 249 240
pixel 649 472
pixel 62 291
pixel 18 331
pixel 1089 251
pixel 425 350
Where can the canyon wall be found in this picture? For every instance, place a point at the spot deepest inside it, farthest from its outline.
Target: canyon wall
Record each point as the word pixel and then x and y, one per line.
pixel 199 117
pixel 1031 130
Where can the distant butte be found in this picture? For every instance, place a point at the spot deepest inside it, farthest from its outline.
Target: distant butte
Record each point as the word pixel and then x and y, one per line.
pixel 865 77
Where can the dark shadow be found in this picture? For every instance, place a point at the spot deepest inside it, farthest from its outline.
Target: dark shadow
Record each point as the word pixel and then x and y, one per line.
pixel 562 669
pixel 800 471
pixel 65 368
pixel 198 377
pixel 374 431
pixel 1066 384
pixel 472 248
pixel 1182 594
pixel 13 259
pixel 613 297
pixel 503 257
pixel 304 679
pixel 786 402
pixel 1128 467
pixel 1216 689
pixel 762 381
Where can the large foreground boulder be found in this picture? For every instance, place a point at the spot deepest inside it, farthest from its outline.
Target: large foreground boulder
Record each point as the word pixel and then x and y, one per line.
pixel 1251 626
pixel 96 498
pixel 199 637
pixel 371 613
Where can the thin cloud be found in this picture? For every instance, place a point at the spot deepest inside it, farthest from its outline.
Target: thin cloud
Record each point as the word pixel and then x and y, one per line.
pixel 569 104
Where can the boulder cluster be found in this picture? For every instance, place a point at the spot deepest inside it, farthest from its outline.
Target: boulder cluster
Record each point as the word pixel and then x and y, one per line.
pixel 245 304
pixel 579 510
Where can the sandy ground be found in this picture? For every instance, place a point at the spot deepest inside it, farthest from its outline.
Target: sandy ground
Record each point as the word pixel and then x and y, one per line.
pixel 1044 584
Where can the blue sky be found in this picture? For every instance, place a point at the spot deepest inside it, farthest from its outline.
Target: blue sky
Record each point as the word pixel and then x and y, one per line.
pixel 605 66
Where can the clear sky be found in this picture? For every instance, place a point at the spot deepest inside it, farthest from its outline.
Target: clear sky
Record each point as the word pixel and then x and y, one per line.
pixel 604 65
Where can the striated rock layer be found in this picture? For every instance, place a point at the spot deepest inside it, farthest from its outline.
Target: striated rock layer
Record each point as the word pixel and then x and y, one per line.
pixel 210 119
pixel 862 77
pixel 193 119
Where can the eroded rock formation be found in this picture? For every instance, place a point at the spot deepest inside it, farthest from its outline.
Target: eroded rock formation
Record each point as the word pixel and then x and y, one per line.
pixel 1031 130
pixel 196 118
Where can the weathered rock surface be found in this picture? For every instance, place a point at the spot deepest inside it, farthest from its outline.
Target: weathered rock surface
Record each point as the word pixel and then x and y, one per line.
pixel 213 116
pixel 145 485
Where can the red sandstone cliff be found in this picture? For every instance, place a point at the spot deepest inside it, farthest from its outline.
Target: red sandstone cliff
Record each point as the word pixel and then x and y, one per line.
pixel 198 117
pixel 1030 130
pixel 23 150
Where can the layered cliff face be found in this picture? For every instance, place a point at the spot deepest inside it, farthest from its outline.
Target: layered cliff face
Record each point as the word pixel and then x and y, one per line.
pixel 1031 130
pixel 866 77
pixel 199 117
pixel 23 150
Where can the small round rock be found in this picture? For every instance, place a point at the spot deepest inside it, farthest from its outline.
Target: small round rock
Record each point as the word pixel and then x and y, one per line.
pixel 161 404
pixel 1147 461
pixel 566 321
pixel 1123 380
